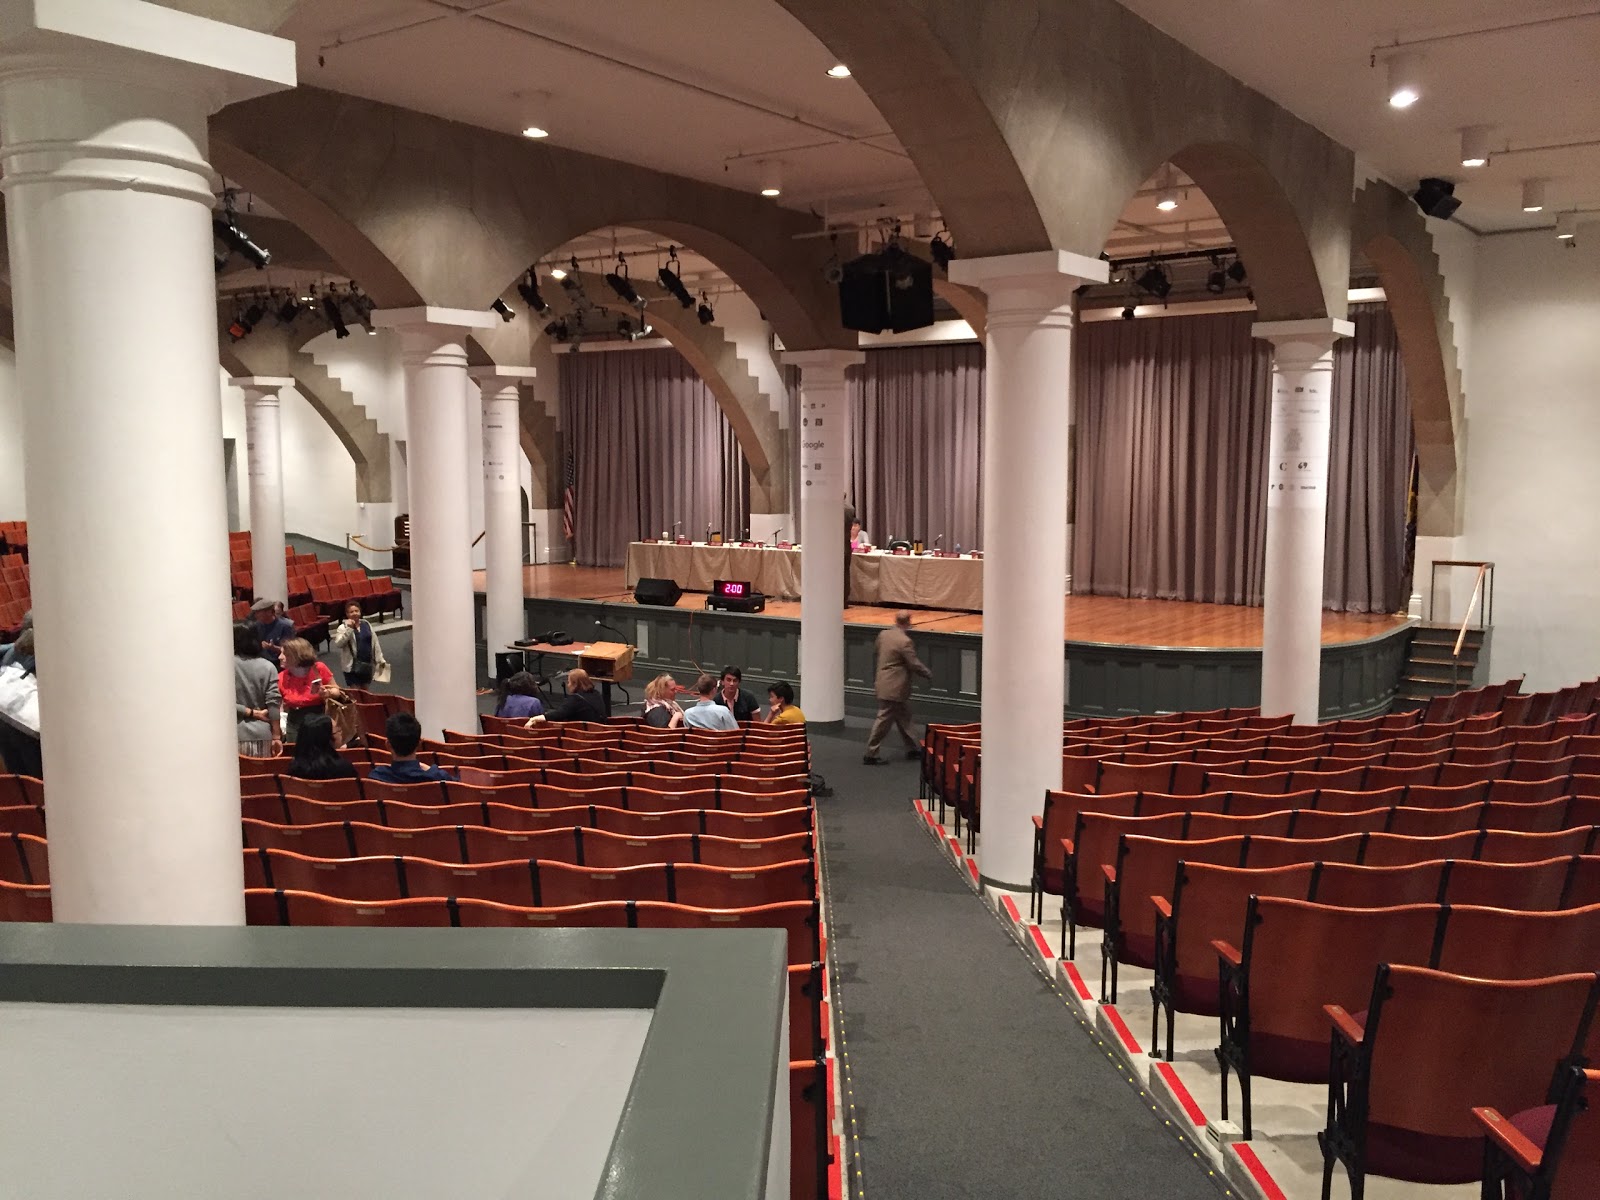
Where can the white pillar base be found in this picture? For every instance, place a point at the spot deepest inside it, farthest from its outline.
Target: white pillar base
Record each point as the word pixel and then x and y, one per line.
pixel 822 566
pixel 1027 413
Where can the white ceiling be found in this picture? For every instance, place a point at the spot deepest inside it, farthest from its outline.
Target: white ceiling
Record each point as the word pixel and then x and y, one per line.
pixel 1536 86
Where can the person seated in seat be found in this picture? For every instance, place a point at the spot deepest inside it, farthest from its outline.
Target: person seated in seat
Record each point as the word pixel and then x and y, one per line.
pixel 519 697
pixel 8 651
pixel 859 540
pixel 733 697
pixel 661 710
pixel 314 755
pixel 583 701
pixel 273 628
pixel 709 713
pixel 781 708
pixel 404 731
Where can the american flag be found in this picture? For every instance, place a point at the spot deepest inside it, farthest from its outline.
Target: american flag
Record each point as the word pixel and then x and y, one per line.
pixel 568 503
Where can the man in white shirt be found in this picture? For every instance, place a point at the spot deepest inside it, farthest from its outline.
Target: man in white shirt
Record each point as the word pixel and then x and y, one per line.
pixel 708 714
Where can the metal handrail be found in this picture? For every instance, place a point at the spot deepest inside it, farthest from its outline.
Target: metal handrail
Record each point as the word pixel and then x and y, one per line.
pixel 1466 622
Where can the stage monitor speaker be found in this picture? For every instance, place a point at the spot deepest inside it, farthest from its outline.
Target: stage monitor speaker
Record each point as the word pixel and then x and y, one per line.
pixel 657 591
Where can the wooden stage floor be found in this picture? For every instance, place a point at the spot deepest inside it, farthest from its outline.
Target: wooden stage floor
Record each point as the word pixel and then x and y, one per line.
pixel 1108 619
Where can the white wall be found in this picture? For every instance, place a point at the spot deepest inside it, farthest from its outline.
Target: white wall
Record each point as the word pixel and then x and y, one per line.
pixel 742 323
pixel 1533 460
pixel 13 505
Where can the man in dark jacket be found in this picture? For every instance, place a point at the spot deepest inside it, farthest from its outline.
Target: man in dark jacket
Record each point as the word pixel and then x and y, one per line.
pixel 897 663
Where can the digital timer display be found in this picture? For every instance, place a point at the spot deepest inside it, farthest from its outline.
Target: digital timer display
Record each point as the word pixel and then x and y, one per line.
pixel 728 587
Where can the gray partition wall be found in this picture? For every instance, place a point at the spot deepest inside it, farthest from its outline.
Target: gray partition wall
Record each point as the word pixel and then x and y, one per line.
pixel 401 1064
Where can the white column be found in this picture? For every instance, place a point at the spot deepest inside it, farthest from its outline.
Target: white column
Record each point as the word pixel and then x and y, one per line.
pixel 1026 415
pixel 108 200
pixel 263 434
pixel 503 620
pixel 822 473
pixel 1297 511
pixel 433 341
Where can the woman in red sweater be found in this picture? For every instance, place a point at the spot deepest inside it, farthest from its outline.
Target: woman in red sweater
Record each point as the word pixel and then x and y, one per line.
pixel 301 684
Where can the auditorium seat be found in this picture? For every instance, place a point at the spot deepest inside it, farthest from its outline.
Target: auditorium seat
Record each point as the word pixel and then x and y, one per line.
pixel 330 791
pixel 22 818
pixel 1348 885
pixel 598 848
pixel 506 882
pixel 498 845
pixel 328 839
pixel 649 824
pixel 800 920
pixel 1388 849
pixel 419 816
pixel 1550 1151
pixel 302 811
pixel 305 908
pixel 557 883
pixel 1446 795
pixel 375 878
pixel 1296 957
pixel 443 843
pixel 1282 851
pixel 758 852
pixel 743 887
pixel 1434 822
pixel 1503 943
pixel 1583 885
pixel 425 793
pixel 1508 846
pixel 1428 1048
pixel 1093 845
pixel 601 914
pixel 744 826
pixel 650 800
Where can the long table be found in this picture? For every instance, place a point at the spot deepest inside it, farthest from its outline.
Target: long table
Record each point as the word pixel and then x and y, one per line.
pixel 876 577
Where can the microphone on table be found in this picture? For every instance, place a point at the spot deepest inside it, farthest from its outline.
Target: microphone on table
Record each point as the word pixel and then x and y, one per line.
pixel 708 531
pixel 775 534
pixel 937 540
pixel 622 637
pixel 676 525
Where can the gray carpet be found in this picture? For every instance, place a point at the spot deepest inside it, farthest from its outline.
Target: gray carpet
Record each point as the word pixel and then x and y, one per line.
pixel 970 1075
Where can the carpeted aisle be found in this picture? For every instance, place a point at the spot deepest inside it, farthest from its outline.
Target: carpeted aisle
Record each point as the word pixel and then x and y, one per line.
pixel 970 1076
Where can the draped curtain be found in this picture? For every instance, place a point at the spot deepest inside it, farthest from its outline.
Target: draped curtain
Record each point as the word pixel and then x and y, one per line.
pixel 1172 418
pixel 914 443
pixel 650 447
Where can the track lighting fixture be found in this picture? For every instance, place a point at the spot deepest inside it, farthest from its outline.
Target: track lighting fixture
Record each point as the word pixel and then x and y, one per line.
pixel 618 279
pixel 290 309
pixel 1155 281
pixel 1167 195
pixel 558 329
pixel 330 308
pixel 1236 271
pixel 704 312
pixel 1217 278
pixel 671 277
pixel 771 178
pixel 1532 195
pixel 1475 146
pixel 624 326
pixel 1405 87
pixel 1128 312
pixel 503 310
pixel 362 305
pixel 1567 226
pixel 528 289
pixel 941 249
pixel 238 242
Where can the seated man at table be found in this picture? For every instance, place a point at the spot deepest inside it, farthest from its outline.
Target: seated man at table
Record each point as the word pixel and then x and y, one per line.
pixel 708 713
pixel 858 537
pixel 731 695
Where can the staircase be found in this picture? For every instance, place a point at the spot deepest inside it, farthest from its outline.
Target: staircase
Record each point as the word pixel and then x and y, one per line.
pixel 1432 670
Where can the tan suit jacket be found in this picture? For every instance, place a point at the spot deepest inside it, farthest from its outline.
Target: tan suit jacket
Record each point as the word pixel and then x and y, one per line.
pixel 897 663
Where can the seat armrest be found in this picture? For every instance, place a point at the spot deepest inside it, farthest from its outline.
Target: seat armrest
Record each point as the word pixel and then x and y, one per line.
pixel 1109 871
pixel 1066 847
pixel 1227 953
pixel 1163 906
pixel 1509 1138
pixel 1344 1025
pixel 1038 822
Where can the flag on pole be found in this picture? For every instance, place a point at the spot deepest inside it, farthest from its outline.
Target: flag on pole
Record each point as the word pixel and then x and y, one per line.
pixel 568 504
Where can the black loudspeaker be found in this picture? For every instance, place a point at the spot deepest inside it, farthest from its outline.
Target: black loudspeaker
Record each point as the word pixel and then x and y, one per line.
pixel 1437 198
pixel 887 290
pixel 657 591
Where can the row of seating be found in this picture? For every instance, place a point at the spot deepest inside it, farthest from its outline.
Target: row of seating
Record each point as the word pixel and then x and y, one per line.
pixel 750 761
pixel 733 794
pixel 504 819
pixel 617 730
pixel 1297 957
pixel 1093 822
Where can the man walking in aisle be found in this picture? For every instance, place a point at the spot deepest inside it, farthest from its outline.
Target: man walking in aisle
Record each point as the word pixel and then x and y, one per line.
pixel 897 663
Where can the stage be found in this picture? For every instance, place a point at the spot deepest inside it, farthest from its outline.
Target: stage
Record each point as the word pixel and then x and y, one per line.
pixel 1122 656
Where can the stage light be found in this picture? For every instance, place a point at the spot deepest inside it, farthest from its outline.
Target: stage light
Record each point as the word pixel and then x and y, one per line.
pixel 1436 198
pixel 838 71
pixel 291 309
pixel 1155 281
pixel 330 308
pixel 705 312
pixel 1405 86
pixel 1567 226
pixel 253 315
pixel 503 310
pixel 1236 271
pixel 771 178
pixel 528 289
pixel 671 278
pixel 1128 313
pixel 239 242
pixel 1167 196
pixel 363 306
pixel 624 326
pixel 558 273
pixel 1217 279
pixel 558 330
pixel 534 131
pixel 619 282
pixel 1533 195
pixel 1475 146
pixel 942 251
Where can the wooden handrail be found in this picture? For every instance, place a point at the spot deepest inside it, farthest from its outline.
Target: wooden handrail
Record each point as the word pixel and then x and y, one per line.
pixel 1472 602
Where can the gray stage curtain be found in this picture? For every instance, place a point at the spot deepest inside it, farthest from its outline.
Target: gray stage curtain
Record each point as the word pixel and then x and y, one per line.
pixel 650 447
pixel 915 443
pixel 1172 419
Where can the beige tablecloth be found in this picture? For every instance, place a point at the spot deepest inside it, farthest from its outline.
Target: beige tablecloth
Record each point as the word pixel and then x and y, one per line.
pixel 891 580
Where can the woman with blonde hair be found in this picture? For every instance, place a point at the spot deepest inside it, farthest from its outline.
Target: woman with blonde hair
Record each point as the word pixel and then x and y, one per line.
pixel 583 700
pixel 661 709
pixel 304 684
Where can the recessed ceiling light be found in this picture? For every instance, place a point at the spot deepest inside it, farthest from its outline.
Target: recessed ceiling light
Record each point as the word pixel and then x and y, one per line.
pixel 1567 226
pixel 1533 195
pixel 1475 146
pixel 1404 88
pixel 771 178
pixel 772 191
pixel 1167 196
pixel 838 71
pixel 534 131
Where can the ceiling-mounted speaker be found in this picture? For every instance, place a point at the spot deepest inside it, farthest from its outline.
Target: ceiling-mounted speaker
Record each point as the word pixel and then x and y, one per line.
pixel 1436 198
